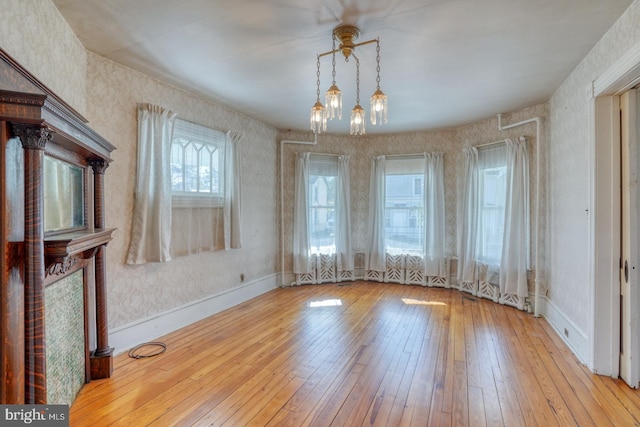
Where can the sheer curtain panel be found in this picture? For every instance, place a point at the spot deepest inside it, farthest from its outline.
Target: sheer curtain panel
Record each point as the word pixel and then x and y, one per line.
pixel 434 221
pixel 151 228
pixel 232 196
pixel 515 247
pixel 375 257
pixel 344 253
pixel 468 228
pixel 301 254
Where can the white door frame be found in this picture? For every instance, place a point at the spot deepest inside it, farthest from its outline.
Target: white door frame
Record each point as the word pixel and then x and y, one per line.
pixel 604 208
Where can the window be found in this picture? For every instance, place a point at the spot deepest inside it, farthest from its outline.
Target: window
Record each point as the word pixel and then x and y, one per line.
pixel 322 221
pixel 402 222
pixel 197 158
pixel 404 206
pixel 492 198
pixel 323 177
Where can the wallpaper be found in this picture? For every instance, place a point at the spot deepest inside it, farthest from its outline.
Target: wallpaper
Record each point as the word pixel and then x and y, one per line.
pixel 568 164
pixel 34 34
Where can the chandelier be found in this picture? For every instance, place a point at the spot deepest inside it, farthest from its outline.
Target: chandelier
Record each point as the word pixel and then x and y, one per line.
pixel 346 35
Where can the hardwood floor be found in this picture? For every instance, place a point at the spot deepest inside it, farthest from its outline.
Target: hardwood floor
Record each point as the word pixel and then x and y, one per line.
pixel 360 354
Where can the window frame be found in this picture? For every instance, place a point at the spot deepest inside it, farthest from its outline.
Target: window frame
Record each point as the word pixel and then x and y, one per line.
pixel 497 164
pixel 411 167
pixel 313 200
pixel 195 133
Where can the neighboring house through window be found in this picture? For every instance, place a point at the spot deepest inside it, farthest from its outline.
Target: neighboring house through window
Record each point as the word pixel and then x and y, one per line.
pixel 323 175
pixel 404 206
pixel 492 168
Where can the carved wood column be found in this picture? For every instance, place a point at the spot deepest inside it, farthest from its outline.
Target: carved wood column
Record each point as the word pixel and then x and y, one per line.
pixel 34 138
pixel 102 357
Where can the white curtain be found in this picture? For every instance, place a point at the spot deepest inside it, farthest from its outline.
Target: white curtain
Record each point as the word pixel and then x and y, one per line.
pixel 232 198
pixel 344 253
pixel 515 247
pixel 151 228
pixel 375 257
pixel 434 220
pixel 195 227
pixel 468 229
pixel 301 262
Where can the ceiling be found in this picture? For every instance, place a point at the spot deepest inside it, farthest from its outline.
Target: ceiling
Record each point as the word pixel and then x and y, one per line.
pixel 443 63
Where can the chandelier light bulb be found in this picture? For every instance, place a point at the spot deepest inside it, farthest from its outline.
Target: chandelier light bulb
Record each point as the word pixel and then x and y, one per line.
pixel 333 100
pixel 318 117
pixel 378 107
pixel 357 120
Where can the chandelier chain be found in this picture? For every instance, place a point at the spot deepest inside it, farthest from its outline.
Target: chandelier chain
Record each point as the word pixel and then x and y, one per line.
pixel 318 79
pixel 333 60
pixel 357 79
pixel 378 62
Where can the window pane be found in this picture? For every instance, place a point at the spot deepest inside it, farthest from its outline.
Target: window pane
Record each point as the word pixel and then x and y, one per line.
pixel 177 166
pixel 322 213
pixel 404 214
pixel 204 171
pixel 215 171
pixel 492 206
pixel 196 156
pixel 191 157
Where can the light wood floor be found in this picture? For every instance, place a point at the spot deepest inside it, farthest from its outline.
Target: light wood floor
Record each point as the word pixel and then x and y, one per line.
pixel 387 355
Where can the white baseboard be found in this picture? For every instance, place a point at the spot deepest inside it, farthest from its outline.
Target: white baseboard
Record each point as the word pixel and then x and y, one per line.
pixel 575 338
pixel 128 336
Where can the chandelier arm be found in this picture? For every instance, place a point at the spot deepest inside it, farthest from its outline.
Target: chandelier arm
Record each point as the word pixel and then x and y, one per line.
pixel 330 52
pixel 363 43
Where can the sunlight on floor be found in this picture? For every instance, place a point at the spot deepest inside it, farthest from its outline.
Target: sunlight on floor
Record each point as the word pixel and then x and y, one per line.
pixel 325 303
pixel 411 301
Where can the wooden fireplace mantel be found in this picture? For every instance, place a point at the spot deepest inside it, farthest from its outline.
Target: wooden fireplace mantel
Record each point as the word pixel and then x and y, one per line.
pixel 61 246
pixel 62 251
pixel 46 126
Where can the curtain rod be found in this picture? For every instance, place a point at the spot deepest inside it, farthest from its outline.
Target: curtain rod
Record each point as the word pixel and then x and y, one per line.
pixel 326 154
pixel 410 155
pixel 488 144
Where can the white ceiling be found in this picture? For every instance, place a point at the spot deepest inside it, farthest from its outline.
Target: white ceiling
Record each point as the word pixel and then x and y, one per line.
pixel 443 62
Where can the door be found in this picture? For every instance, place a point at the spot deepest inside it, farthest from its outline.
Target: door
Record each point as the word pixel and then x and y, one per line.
pixel 629 292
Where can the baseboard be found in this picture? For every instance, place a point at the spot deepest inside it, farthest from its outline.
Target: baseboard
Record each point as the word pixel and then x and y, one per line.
pixel 128 336
pixel 575 338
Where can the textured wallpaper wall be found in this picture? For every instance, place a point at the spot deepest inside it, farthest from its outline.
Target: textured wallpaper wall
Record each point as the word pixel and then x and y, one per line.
pixel 34 33
pixel 137 292
pixel 569 136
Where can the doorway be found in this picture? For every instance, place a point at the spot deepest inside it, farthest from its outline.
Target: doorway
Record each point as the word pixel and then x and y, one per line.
pixel 629 233
pixel 605 223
